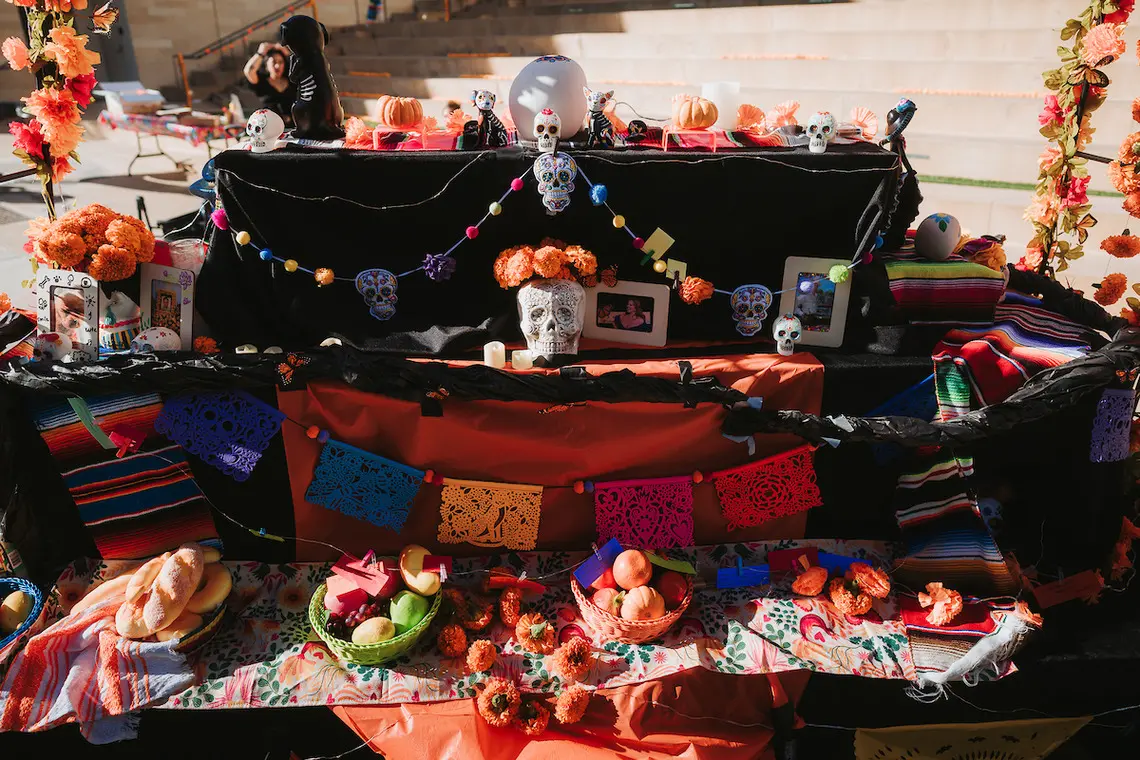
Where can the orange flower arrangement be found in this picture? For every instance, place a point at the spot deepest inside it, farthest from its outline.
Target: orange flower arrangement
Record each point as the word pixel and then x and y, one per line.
pixel 498 702
pixel 481 656
pixel 1121 246
pixel 571 705
pixel 946 603
pixel 573 659
pixel 694 290
pixel 94 239
pixel 848 598
pixel 452 641
pixel 749 118
pixel 532 718
pixel 810 582
pixel 510 606
pixel 514 266
pixel 1111 289
pixel 534 634
pixel 871 580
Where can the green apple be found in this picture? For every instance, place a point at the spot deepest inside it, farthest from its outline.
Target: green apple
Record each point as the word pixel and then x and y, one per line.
pixel 373 631
pixel 408 608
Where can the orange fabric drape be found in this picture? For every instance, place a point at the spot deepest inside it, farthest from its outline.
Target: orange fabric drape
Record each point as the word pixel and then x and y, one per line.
pixel 510 442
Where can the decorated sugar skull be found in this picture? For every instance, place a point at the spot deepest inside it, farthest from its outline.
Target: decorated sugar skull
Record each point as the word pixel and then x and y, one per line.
pixel 378 286
pixel 750 308
pixel 547 130
pixel 484 100
pixel 821 131
pixel 156 339
pixel 555 173
pixel 52 347
pixel 551 313
pixel 264 129
pixel 787 331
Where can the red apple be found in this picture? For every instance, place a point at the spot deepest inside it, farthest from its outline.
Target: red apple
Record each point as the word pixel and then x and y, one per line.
pixel 608 600
pixel 392 585
pixel 673 587
pixel 606 580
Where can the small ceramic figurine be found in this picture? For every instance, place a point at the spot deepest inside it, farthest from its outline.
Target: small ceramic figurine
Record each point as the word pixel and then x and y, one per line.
pixel 637 132
pixel 469 140
pixel 601 131
pixel 897 120
pixel 787 331
pixel 492 133
pixel 264 129
pixel 317 113
pixel 555 173
pixel 821 131
pixel 547 130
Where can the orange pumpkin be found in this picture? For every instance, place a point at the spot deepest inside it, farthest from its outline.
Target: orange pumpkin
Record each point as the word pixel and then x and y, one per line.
pixel 642 603
pixel 632 569
pixel 691 112
pixel 399 113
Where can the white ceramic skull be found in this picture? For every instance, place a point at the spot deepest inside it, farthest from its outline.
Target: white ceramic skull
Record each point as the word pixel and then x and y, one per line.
pixel 378 286
pixel 52 347
pixel 821 131
pixel 264 129
pixel 750 308
pixel 551 313
pixel 547 130
pixel 787 331
pixel 555 173
pixel 156 339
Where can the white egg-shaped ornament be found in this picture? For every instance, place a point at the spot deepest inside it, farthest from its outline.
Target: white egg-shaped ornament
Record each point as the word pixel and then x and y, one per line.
pixel 937 237
pixel 554 82
pixel 156 339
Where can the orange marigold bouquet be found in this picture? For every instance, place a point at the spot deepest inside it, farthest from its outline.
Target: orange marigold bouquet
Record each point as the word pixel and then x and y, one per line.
pixel 553 259
pixel 96 240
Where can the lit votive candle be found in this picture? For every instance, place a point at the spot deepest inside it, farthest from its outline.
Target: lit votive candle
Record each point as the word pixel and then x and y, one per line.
pixel 521 360
pixel 495 354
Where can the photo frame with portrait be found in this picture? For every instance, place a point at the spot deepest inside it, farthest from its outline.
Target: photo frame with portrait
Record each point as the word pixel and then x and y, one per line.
pixel 628 312
pixel 819 303
pixel 167 300
pixel 67 304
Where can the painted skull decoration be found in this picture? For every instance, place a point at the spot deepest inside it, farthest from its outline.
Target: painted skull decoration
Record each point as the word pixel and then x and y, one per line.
pixel 551 313
pixel 264 129
pixel 52 347
pixel 378 286
pixel 821 130
pixel 787 331
pixel 555 173
pixel 547 130
pixel 750 308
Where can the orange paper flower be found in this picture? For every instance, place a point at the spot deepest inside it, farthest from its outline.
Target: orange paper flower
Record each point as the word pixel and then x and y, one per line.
pixel 69 51
pixel 481 656
pixel 784 114
pixel 452 641
pixel 847 597
pixel 1021 610
pixel 534 634
pixel 866 120
pixel 356 133
pixel 510 606
pixel 870 579
pixel 946 603
pixel 5 303
pixel 1111 289
pixel 749 118
pixel 810 582
pixel 533 717
pixel 1102 44
pixel 498 702
pixel 58 114
pixel 1121 246
pixel 573 659
pixel 16 53
pixel 204 344
pixel 695 290
pixel 571 704
pixel 1132 204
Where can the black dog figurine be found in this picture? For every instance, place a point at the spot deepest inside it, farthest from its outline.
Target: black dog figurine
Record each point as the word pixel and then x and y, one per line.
pixel 317 114
pixel 492 133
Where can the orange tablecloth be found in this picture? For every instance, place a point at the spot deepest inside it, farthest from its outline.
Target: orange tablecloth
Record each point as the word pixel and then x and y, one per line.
pixel 510 442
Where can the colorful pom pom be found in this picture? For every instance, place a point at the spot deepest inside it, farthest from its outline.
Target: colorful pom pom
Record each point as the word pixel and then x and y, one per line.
pixel 579 486
pixel 660 266
pixel 323 437
pixel 313 431
pixel 838 274
pixel 619 221
pixel 878 241
pixel 698 476
pixel 290 265
pixel 806 285
pixel 472 232
pixel 242 238
pixel 438 266
pixel 599 194
pixel 516 184
pixel 266 254
pixel 638 243
pixel 495 208
pixel 429 476
pixel 324 276
pixel 220 220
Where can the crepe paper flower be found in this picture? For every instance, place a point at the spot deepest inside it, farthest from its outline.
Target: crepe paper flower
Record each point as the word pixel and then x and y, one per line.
pixel 357 134
pixel 1123 177
pixel 15 52
pixel 510 606
pixel 1077 192
pixel 59 115
pixel 1123 10
pixel 481 656
pixel 439 266
pixel 573 659
pixel 204 344
pixel 1051 113
pixel 452 641
pixel 455 121
pixel 1041 210
pixel 749 118
pixel 1102 44
pixel 946 603
pixel 1048 158
pixel 27 137
pixel 104 18
pixel 848 598
pixel 24 3
pixel 694 290
pixel 1111 289
pixel 584 262
pixel 1132 204
pixel 533 717
pixel 69 51
pixel 867 121
pixel 5 303
pixel 498 702
pixel 571 705
pixel 986 251
pixel 534 634
pixel 548 261
pixel 870 579
pixel 65 6
pixel 784 114
pixel 810 582
pixel 80 88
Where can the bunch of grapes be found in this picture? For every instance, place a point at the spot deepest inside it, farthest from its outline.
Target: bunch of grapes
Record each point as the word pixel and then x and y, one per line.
pixel 337 627
pixel 341 626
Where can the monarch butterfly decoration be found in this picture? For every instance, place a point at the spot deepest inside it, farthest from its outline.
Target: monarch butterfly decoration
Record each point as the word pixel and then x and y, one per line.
pixel 1087 222
pixel 553 408
pixel 608 278
pixel 286 369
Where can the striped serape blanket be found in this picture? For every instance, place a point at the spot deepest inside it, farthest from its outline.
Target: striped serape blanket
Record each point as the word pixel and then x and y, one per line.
pixel 977 367
pixel 67 437
pixel 955 291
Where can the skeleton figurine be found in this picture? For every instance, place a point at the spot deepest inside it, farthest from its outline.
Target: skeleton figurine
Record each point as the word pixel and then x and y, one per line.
pixel 492 133
pixel 547 130
pixel 898 118
pixel 821 131
pixel 601 131
pixel 264 129
pixel 555 173
pixel 378 286
pixel 787 332
pixel 750 308
pixel 551 313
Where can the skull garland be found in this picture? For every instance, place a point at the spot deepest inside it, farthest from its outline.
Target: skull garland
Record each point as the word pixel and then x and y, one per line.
pixel 821 131
pixel 787 331
pixel 378 286
pixel 264 129
pixel 547 130
pixel 551 313
pixel 555 173
pixel 750 308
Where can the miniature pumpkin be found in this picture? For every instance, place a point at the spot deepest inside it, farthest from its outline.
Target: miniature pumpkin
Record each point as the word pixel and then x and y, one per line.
pixel 399 113
pixel 642 603
pixel 691 112
pixel 632 569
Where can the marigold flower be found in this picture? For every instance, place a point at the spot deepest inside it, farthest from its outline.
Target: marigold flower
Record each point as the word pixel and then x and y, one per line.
pixel 694 290
pixel 481 656
pixel 1111 289
pixel 582 260
pixel 1132 204
pixel 111 263
pixel 573 659
pixel 1102 44
pixel 452 641
pixel 69 51
pixel 535 634
pixel 548 261
pixel 848 598
pixel 498 702
pixel 810 582
pixel 1121 246
pixel 204 344
pixel 510 606
pixel 946 603
pixel 571 704
pixel 872 580
pixel 15 52
pixel 533 717
pixel 5 303
pixel 518 267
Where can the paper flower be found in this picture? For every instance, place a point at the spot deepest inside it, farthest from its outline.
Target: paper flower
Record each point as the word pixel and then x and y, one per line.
pixel 694 290
pixel 784 114
pixel 59 115
pixel 481 656
pixel 27 137
pixel 439 266
pixel 1132 204
pixel 452 641
pixel 1102 44
pixel 1041 210
pixel 532 717
pixel 848 598
pixel 1121 246
pixel 455 121
pixel 946 603
pixel 357 134
pixel 1123 10
pixel 69 51
pixel 1050 156
pixel 534 634
pixel 510 606
pixel 749 118
pixel 15 52
pixel 810 582
pixel 1111 289
pixel 498 702
pixel 1123 177
pixel 866 120
pixel 985 251
pixel 204 344
pixel 872 580
pixel 571 705
pixel 573 659
pixel 81 87
pixel 1051 113
pixel 1077 192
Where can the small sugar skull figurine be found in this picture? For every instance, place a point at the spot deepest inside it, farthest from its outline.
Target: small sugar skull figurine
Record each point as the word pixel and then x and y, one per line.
pixel 787 332
pixel 378 286
pixel 821 131
pixel 551 313
pixel 750 308
pixel 547 130
pixel 555 173
pixel 52 347
pixel 156 339
pixel 264 129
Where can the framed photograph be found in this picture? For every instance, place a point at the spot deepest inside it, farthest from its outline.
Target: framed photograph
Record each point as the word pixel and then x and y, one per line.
pixel 628 312
pixel 167 300
pixel 68 315
pixel 820 304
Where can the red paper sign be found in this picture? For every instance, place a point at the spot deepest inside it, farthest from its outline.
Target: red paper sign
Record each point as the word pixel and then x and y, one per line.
pixel 434 563
pixel 784 560
pixel 367 574
pixel 338 585
pixel 503 581
pixel 1086 585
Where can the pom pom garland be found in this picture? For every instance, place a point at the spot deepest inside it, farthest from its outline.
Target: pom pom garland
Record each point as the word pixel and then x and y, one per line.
pixel 638 243
pixel 290 265
pixel 516 184
pixel 220 220
pixel 242 238
pixel 619 221
pixel 472 232
pixel 598 195
pixel 838 274
pixel 495 209
pixel 660 266
pixel 324 276
pixel 266 254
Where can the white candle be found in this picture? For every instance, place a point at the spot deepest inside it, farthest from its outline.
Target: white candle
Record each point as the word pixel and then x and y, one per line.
pixel 726 96
pixel 521 360
pixel 495 354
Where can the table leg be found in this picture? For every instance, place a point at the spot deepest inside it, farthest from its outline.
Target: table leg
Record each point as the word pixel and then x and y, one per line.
pixel 158 151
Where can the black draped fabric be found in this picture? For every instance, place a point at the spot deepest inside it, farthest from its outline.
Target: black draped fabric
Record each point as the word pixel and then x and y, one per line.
pixel 735 216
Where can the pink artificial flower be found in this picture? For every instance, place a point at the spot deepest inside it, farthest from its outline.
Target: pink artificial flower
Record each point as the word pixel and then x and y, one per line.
pixel 28 138
pixel 80 88
pixel 1051 113
pixel 1041 210
pixel 1123 10
pixel 1031 261
pixel 60 168
pixel 1048 158
pixel 1077 194
pixel 24 3
pixel 1103 43
pixel 16 52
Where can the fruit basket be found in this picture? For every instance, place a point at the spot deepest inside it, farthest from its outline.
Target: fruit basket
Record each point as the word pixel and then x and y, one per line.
pixel 613 628
pixel 199 638
pixel 367 654
pixel 14 583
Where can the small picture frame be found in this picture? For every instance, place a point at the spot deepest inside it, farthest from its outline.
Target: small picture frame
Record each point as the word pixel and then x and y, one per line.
pixel 628 312
pixel 68 307
pixel 819 303
pixel 167 300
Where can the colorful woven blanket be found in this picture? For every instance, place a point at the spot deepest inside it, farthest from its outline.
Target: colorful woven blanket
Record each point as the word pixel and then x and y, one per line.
pixel 955 291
